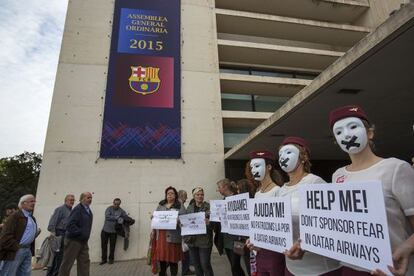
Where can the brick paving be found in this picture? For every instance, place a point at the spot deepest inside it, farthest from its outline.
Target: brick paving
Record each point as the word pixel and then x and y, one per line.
pixel 139 267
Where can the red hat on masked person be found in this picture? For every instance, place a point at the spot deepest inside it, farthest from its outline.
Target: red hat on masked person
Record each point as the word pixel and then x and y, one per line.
pixel 345 112
pixel 296 141
pixel 262 154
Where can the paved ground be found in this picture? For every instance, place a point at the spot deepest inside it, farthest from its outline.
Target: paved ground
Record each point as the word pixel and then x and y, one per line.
pixel 138 267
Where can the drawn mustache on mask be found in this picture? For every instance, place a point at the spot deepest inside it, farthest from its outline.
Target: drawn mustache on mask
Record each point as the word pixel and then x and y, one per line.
pixel 283 162
pixel 351 143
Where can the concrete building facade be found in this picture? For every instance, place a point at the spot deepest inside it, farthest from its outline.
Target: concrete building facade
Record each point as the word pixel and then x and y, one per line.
pixel 241 60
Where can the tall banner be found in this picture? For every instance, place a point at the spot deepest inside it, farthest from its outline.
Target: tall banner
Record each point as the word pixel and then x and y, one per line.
pixel 142 104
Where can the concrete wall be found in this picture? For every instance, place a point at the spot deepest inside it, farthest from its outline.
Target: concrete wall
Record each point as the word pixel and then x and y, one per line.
pixel 378 12
pixel 71 158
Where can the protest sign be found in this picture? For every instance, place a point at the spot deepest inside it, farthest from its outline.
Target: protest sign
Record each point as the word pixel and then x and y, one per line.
pixel 215 206
pixel 238 214
pixel 346 222
pixel 223 220
pixel 271 223
pixel 193 224
pixel 164 220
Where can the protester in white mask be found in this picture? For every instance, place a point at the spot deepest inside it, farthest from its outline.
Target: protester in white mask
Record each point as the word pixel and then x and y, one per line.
pixel 354 134
pixel 262 168
pixel 294 159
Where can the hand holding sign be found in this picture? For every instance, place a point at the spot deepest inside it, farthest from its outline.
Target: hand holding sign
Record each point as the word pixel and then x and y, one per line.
pixel 295 252
pixel 401 257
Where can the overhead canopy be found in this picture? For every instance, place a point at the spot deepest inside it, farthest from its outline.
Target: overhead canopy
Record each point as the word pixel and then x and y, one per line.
pixel 377 74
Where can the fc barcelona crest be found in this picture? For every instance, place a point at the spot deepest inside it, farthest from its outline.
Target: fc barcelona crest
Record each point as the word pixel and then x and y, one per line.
pixel 144 80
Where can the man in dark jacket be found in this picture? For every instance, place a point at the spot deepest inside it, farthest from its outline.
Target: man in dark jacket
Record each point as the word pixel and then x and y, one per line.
pixel 17 239
pixel 78 231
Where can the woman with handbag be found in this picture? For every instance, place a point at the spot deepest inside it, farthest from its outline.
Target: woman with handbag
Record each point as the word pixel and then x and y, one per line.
pixel 294 159
pixel 230 243
pixel 168 242
pixel 262 166
pixel 200 245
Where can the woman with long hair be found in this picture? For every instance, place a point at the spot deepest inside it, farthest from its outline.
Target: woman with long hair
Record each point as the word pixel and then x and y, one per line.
pixel 226 241
pixel 262 167
pixel 200 245
pixel 168 242
pixel 294 159
pixel 354 134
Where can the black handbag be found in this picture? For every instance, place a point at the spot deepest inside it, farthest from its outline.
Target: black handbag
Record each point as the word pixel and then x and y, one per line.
pixel 238 248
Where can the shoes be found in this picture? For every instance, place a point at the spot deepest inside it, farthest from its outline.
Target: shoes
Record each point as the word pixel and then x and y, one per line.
pixel 103 262
pixel 110 261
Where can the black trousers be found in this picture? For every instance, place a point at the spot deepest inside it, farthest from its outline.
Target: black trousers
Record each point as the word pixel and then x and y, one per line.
pixel 234 259
pixel 163 268
pixel 105 236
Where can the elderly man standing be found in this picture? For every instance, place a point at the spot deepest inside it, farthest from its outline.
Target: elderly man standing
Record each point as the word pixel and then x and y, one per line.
pixel 78 231
pixel 17 239
pixel 112 214
pixel 57 227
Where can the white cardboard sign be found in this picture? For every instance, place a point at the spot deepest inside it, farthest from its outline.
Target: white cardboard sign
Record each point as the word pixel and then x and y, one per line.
pixel 346 222
pixel 223 219
pixel 166 220
pixel 271 223
pixel 215 209
pixel 193 224
pixel 238 214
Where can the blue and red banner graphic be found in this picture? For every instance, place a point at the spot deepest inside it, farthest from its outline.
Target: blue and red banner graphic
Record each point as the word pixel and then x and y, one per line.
pixel 142 117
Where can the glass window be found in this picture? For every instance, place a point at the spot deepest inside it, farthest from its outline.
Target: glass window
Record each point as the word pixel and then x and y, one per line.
pixel 232 139
pixel 241 102
pixel 236 102
pixel 268 103
pixel 272 74
pixel 234 71
pixel 306 76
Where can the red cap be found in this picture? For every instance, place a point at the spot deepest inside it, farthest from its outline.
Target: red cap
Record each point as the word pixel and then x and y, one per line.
pixel 345 112
pixel 262 154
pixel 297 141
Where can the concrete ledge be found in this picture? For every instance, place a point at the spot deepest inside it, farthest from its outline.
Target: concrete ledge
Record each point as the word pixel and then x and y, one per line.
pixel 271 54
pixel 243 118
pixel 261 85
pixel 340 11
pixel 357 56
pixel 266 25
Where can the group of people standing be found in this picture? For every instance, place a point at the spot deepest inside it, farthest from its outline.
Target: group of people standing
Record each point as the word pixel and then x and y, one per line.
pixel 354 134
pixel 70 227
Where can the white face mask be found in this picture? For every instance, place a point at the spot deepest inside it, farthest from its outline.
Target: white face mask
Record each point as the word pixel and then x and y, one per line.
pixel 351 135
pixel 288 158
pixel 258 168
